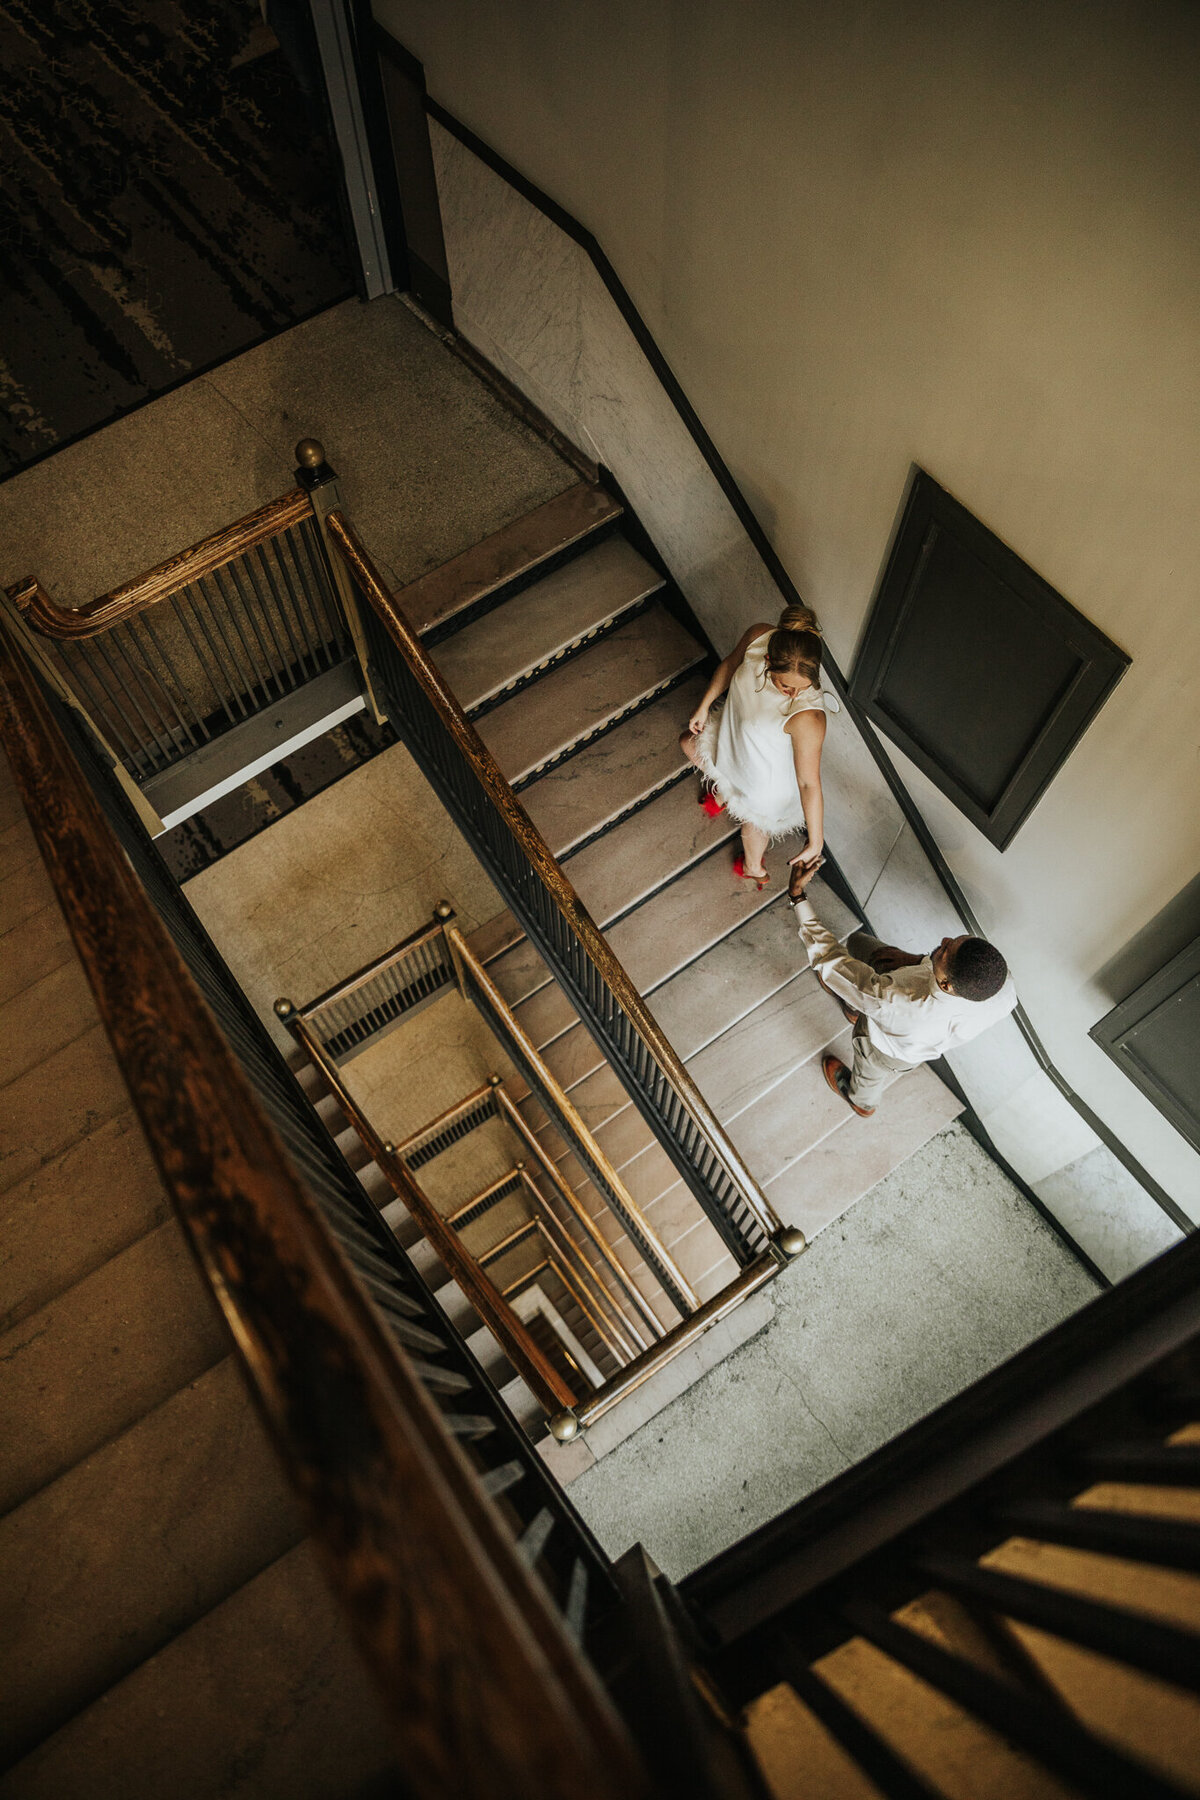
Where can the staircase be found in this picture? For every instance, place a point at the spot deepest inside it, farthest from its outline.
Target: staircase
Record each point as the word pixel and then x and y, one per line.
pixel 178 1637
pixel 465 1167
pixel 577 660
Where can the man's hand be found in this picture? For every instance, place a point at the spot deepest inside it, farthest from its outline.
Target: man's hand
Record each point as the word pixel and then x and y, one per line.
pixel 802 873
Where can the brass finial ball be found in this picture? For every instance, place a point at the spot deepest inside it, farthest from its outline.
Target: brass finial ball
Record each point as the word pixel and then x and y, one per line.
pixel 792 1241
pixel 284 1009
pixel 443 910
pixel 564 1426
pixel 310 453
pixel 494 1080
pixel 389 1149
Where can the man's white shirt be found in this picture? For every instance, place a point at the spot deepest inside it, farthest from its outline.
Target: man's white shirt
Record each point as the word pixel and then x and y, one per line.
pixel 906 1014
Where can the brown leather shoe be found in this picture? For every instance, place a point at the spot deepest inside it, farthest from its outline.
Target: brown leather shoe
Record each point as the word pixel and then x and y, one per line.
pixel 838 1077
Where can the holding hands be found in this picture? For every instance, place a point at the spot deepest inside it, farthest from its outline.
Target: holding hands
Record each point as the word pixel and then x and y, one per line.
pixel 803 868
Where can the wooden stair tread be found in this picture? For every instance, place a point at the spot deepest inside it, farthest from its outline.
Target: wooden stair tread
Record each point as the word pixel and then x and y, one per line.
pixel 545 620
pixel 505 554
pixel 589 691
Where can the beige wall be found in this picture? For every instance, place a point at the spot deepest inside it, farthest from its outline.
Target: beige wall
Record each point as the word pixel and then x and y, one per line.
pixel 867 235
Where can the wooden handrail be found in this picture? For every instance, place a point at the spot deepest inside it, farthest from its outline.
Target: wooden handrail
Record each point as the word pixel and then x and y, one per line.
pixel 44 615
pixel 484 1691
pixel 538 854
pixel 534 1368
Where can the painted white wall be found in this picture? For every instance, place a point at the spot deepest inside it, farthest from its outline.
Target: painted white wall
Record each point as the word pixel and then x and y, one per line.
pixel 867 235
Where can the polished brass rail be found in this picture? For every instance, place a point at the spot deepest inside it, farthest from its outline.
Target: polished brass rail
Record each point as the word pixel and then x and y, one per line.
pixel 539 1375
pixel 540 859
pixel 132 597
pixel 567 1424
pixel 610 1185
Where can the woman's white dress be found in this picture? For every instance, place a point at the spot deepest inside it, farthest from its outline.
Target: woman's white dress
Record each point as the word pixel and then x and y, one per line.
pixel 745 749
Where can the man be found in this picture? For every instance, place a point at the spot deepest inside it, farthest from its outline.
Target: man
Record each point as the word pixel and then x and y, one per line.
pixel 905 1009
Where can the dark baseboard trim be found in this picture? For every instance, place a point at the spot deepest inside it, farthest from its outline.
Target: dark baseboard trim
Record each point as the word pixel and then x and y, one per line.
pixel 791 597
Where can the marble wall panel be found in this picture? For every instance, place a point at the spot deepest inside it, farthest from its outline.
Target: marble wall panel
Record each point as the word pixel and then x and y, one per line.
pixel 531 301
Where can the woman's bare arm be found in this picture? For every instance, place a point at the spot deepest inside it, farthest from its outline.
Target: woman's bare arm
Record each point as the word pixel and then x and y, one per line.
pixel 722 676
pixel 807 732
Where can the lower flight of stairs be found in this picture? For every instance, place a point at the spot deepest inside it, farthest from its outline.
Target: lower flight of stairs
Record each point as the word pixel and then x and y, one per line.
pixel 474 1162
pixel 579 665
pixel 163 1625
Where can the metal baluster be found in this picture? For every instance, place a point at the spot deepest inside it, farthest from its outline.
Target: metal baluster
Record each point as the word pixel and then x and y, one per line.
pixel 243 697
pixel 104 649
pixel 185 615
pixel 309 626
pixel 339 646
pixel 199 732
pixel 79 665
pixel 242 615
pixel 296 670
pixel 284 679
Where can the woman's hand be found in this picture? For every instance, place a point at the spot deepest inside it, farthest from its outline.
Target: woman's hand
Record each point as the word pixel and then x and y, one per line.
pixel 811 853
pixel 698 721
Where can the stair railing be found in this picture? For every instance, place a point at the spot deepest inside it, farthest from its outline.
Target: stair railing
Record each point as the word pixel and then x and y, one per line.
pixel 548 1387
pixel 423 1562
pixel 473 789
pixel 410 974
pixel 360 1009
pixel 181 665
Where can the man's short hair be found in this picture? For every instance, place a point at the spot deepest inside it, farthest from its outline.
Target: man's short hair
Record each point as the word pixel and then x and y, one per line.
pixel 978 970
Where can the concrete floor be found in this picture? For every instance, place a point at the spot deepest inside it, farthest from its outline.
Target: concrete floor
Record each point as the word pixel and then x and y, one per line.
pixel 941 1272
pixel 429 459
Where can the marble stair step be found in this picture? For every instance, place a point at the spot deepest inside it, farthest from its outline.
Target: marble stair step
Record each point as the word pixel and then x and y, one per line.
pixel 57 1103
pixel 776 1127
pixel 693 1008
pixel 557 614
pixel 589 691
pixel 51 1241
pixel 602 781
pixel 599 784
pixel 149 1532
pixel 506 554
pixel 672 929
pixel 32 948
pixel 92 1361
pixel 846 1163
pixel 629 864
pixel 264 1698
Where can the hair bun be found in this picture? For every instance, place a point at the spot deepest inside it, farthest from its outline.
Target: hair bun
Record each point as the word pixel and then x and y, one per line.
pixel 799 618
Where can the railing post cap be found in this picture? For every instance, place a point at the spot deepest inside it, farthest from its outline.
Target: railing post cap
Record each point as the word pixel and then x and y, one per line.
pixel 284 1009
pixel 564 1426
pixel 792 1241
pixel 310 453
pixel 443 910
pixel 389 1149
pixel 495 1080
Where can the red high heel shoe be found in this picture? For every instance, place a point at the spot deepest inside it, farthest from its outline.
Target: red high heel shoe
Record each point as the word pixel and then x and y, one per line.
pixel 712 806
pixel 739 869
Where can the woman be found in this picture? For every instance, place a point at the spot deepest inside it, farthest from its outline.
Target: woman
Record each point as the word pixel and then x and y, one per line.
pixel 761 751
